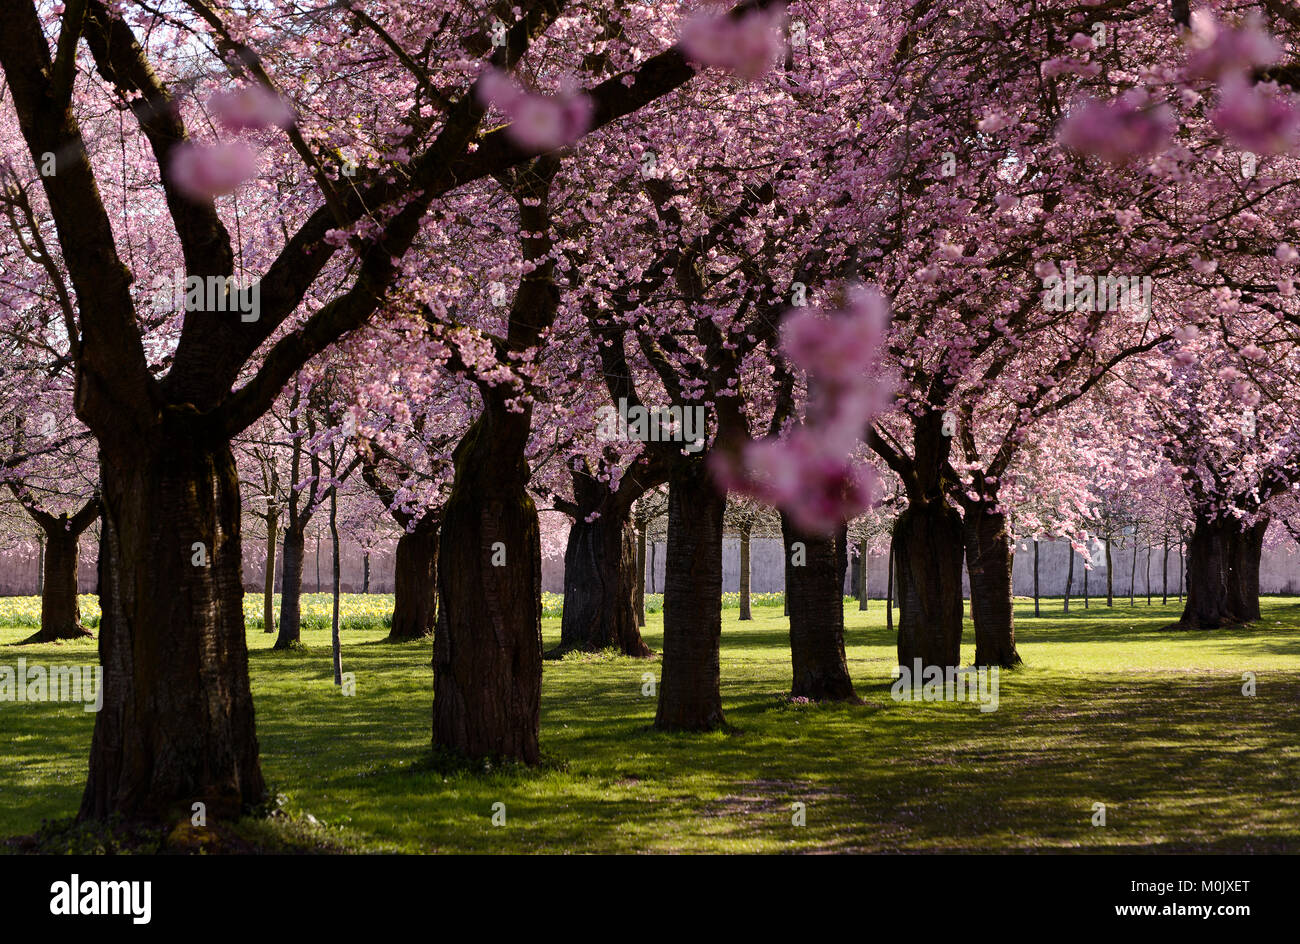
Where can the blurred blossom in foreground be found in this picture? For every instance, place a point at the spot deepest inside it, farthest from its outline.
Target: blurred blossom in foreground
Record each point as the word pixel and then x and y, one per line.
pixel 537 122
pixel 250 107
pixel 810 472
pixel 202 172
pixel 1118 131
pixel 747 47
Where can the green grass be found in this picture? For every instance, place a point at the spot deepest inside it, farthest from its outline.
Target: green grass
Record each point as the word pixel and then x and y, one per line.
pixel 1107 709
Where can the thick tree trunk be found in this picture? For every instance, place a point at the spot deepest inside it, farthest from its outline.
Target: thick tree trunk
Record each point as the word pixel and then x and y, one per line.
pixel 690 695
pixel 336 644
pixel 989 562
pixel 295 544
pixel 745 613
pixel 177 720
pixel 1222 573
pixel 487 648
pixel 600 588
pixel 365 572
pixel 927 569
pixel 40 565
pixel 415 583
pixel 864 574
pixel 815 590
pixel 639 602
pixel 60 611
pixel 268 583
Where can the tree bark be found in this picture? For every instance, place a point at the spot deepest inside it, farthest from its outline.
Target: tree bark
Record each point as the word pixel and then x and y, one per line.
pixel 690 695
pixel 989 563
pixel 415 582
pixel 864 575
pixel 268 583
pixel 1164 595
pixel 1222 573
pixel 927 569
pixel 487 648
pixel 1069 577
pixel 745 613
pixel 60 610
pixel 600 588
pixel 815 590
pixel 1110 577
pixel 177 720
pixel 295 545
pixel 1036 610
pixel 889 588
pixel 336 644
pixel 639 602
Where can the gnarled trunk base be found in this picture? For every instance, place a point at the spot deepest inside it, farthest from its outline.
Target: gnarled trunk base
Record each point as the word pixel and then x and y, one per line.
pixel 815 591
pixel 927 566
pixel 600 589
pixel 415 584
pixel 1222 573
pixel 176 726
pixel 989 562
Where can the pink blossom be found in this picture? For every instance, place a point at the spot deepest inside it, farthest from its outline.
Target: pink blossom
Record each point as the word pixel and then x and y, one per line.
pixel 1220 52
pixel 819 488
pixel 1253 352
pixel 1204 266
pixel 537 122
pixel 747 47
pixel 838 348
pixel 202 172
pixel 1257 118
pixel 1285 254
pixel 251 106
pixel 1118 131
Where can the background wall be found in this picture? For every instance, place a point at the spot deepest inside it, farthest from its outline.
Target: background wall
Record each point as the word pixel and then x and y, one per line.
pixel 1279 571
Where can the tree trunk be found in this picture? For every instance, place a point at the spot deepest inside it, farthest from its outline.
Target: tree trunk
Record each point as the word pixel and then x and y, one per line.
pixel 176 725
pixel 1110 577
pixel 487 648
pixel 989 563
pixel 927 569
pixel 1148 580
pixel 365 572
pixel 1133 574
pixel 745 613
pixel 889 588
pixel 600 588
pixel 335 577
pixel 1069 576
pixel 60 611
pixel 639 602
pixel 1085 588
pixel 864 575
pixel 690 695
pixel 40 564
pixel 1036 611
pixel 415 582
pixel 815 590
pixel 1223 573
pixel 295 544
pixel 268 583
pixel 1164 595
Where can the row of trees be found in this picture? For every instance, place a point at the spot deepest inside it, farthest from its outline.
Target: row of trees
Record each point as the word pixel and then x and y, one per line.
pixel 429 249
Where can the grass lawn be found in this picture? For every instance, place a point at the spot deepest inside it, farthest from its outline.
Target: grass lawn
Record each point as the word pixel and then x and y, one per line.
pixel 1108 709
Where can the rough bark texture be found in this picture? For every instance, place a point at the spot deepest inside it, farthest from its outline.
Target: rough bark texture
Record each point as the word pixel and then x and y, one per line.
pixel 177 721
pixel 690 696
pixel 989 562
pixel 295 544
pixel 1222 573
pixel 927 567
pixel 415 582
pixel 487 649
pixel 745 613
pixel 816 595
pixel 600 588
